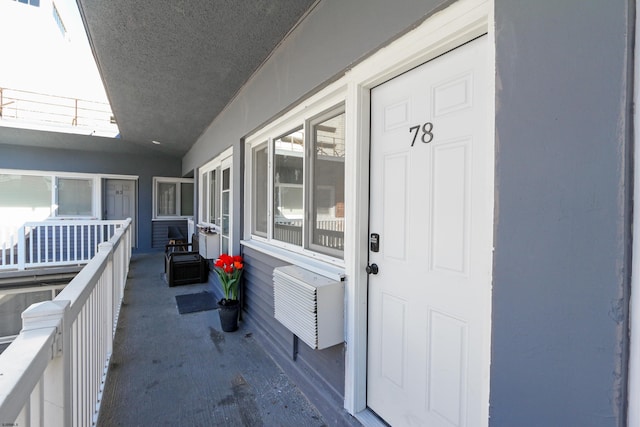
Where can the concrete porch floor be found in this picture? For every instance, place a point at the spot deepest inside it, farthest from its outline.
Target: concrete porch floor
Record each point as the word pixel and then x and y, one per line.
pixel 173 369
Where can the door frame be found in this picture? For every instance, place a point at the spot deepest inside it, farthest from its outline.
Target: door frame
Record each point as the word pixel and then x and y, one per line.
pixel 103 201
pixel 221 162
pixel 448 28
pixel 633 382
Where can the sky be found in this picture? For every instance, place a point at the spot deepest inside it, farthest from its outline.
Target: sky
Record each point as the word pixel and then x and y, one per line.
pixel 37 57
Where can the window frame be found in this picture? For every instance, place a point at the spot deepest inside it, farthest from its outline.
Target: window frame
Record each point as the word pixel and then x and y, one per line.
pixel 178 201
pixel 269 197
pixel 310 203
pixel 56 194
pixel 222 161
pixel 96 189
pixel 329 107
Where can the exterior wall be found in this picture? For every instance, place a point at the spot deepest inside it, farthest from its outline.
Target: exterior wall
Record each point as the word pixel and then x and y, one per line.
pixel 144 166
pixel 161 229
pixel 562 234
pixel 334 36
pixel 320 373
pixel 560 289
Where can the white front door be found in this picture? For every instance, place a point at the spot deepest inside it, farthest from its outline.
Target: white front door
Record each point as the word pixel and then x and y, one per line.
pixel 432 207
pixel 120 201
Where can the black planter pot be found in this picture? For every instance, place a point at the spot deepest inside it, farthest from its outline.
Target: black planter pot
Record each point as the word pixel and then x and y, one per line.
pixel 228 311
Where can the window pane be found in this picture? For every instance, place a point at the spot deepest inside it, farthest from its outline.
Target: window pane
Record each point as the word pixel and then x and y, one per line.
pixel 288 199
pixel 24 198
pixel 225 205
pixel 328 184
pixel 213 199
pixel 186 202
pixel 166 199
pixel 74 197
pixel 204 184
pixel 260 198
pixel 225 213
pixel 226 181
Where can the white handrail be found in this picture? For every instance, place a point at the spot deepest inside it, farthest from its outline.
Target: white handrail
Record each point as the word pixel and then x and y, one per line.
pixel 56 367
pixel 54 243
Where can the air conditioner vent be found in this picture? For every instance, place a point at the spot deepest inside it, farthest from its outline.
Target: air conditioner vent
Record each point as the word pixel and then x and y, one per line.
pixel 309 305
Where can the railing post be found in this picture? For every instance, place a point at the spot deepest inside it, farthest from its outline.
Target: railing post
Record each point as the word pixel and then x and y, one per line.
pixel 56 378
pixel 107 247
pixel 22 248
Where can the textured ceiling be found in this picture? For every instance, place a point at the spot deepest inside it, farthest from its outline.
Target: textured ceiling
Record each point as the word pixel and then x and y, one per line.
pixel 170 67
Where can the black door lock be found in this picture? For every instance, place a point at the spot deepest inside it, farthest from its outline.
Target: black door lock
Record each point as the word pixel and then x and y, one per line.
pixel 372 269
pixel 374 242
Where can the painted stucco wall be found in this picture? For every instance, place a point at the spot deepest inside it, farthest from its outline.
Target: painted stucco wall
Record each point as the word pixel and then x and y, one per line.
pixel 562 213
pixel 143 165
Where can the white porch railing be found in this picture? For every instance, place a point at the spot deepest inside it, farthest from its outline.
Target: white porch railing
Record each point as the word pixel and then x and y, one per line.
pixel 54 372
pixel 54 243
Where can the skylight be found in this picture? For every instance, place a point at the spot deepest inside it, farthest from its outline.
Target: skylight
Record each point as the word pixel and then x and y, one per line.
pixel 49 79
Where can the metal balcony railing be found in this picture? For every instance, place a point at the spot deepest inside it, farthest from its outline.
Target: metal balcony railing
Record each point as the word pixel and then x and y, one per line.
pixel 54 372
pixel 22 108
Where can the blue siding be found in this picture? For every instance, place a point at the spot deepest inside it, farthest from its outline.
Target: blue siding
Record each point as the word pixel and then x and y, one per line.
pixel 318 373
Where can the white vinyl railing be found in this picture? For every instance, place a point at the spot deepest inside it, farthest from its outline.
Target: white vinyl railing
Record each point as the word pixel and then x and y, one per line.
pixel 53 243
pixel 54 372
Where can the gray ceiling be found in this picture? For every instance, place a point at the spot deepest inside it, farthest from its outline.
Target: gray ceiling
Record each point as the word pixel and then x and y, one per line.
pixel 170 67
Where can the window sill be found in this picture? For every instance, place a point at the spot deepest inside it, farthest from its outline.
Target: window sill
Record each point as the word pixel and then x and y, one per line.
pixel 172 218
pixel 320 267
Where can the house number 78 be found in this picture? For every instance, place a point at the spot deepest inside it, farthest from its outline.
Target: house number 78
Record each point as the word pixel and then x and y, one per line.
pixel 425 131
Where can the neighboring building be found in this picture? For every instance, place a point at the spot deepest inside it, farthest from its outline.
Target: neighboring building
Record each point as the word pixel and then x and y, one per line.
pixel 50 83
pixel 476 157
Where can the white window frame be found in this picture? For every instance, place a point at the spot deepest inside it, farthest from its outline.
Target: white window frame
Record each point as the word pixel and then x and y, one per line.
pixel 304 118
pixel 221 162
pixel 309 171
pixel 95 191
pixel 170 180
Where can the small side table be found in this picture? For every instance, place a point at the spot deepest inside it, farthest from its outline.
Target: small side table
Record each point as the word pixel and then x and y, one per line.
pixel 183 268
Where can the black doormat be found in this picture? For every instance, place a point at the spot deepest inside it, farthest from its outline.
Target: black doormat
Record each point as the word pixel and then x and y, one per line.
pixel 191 303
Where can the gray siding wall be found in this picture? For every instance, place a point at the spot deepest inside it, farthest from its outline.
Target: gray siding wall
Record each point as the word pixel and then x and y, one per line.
pixel 319 373
pixel 336 35
pixel 145 166
pixel 161 229
pixel 562 235
pixel 560 289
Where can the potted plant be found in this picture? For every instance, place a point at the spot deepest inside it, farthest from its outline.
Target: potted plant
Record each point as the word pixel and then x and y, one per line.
pixel 229 270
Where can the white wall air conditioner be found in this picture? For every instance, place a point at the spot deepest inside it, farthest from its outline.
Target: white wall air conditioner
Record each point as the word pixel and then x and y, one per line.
pixel 309 305
pixel 209 245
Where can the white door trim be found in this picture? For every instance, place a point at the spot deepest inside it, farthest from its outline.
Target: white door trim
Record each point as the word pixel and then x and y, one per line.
pixel 447 29
pixel 633 397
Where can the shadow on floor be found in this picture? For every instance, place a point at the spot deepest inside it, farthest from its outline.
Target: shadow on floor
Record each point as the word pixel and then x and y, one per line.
pixel 182 370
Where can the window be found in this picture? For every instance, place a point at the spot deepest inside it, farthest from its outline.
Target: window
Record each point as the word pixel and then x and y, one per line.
pixel 75 197
pixel 35 3
pixel 327 184
pixel 173 197
pixel 297 186
pixel 24 198
pixel 225 207
pixel 260 190
pixel 215 198
pixel 58 20
pixel 288 194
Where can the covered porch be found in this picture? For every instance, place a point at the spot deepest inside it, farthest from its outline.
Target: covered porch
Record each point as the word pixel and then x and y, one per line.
pixel 169 368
